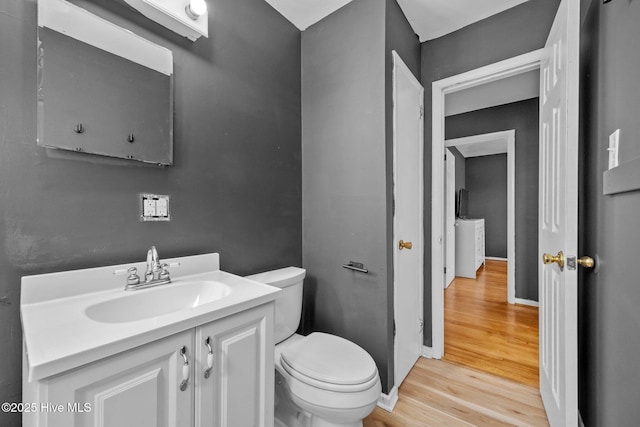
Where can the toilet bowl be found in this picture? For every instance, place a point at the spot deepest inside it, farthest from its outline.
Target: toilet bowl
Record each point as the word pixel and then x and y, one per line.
pixel 322 380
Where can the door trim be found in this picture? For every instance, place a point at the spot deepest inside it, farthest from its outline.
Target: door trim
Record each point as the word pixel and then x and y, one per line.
pixel 398 64
pixel 499 70
pixel 509 138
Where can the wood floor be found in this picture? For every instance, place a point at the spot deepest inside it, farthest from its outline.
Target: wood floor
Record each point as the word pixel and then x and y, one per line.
pixel 439 393
pixel 482 333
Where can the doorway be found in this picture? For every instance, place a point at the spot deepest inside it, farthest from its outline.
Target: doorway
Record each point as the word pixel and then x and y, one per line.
pixel 491 73
pixel 484 329
pixel 558 62
pixel 486 145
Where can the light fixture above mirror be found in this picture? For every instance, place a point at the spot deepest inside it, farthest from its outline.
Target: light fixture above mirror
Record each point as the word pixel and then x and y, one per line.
pixel 195 9
pixel 189 18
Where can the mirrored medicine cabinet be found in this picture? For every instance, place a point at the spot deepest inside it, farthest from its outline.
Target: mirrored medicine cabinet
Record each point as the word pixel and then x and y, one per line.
pixel 102 89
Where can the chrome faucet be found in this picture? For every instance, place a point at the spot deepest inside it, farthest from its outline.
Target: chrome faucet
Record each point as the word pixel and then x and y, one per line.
pixel 156 274
pixel 153 265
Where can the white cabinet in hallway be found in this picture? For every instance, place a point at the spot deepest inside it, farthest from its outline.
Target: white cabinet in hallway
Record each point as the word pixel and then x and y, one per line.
pixel 469 246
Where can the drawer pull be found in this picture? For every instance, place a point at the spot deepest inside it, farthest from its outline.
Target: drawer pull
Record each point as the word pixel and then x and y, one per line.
pixel 185 369
pixel 210 358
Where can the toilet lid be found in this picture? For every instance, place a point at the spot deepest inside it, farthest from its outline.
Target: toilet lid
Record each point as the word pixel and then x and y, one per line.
pixel 329 359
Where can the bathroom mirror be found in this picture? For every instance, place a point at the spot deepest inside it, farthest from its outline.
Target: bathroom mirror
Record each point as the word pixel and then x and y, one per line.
pixel 102 89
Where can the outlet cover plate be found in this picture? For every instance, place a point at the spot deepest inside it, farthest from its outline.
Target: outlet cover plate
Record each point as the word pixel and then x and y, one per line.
pixel 154 207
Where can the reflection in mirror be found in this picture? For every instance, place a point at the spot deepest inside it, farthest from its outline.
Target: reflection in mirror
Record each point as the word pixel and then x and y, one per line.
pixel 102 89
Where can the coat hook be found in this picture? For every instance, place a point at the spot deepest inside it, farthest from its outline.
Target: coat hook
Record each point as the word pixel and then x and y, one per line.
pixel 131 138
pixel 78 128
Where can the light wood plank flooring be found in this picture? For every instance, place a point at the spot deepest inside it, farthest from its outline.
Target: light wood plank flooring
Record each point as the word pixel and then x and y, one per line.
pixel 439 393
pixel 482 331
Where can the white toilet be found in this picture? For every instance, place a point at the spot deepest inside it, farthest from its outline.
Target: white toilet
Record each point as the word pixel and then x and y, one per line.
pixel 321 380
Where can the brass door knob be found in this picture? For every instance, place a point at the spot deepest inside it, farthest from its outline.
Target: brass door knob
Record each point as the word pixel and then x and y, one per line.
pixel 404 245
pixel 586 262
pixel 550 259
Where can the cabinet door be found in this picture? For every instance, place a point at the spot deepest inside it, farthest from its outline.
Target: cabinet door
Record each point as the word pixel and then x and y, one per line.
pixel 140 387
pixel 239 388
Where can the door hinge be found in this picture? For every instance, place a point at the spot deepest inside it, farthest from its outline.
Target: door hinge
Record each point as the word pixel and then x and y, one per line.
pixel 421 322
pixel 393 206
pixel 445 270
pixel 394 328
pixel 421 111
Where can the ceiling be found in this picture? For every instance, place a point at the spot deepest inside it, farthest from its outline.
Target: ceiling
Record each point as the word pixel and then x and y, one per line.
pixel 483 147
pixel 429 19
pixel 304 13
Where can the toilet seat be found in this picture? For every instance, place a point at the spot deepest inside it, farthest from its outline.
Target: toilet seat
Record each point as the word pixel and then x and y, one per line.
pixel 330 363
pixel 324 399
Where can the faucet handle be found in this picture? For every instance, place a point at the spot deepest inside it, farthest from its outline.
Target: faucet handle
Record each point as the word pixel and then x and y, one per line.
pixel 164 274
pixel 132 277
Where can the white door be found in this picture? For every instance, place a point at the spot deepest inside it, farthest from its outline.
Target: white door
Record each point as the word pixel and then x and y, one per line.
pixel 558 217
pixel 450 217
pixel 408 217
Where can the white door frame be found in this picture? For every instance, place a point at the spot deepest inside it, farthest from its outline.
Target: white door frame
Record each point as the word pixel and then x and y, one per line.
pixel 450 212
pixel 400 67
pixel 499 70
pixel 507 137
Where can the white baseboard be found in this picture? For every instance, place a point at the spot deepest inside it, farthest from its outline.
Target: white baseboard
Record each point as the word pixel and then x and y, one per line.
pixel 388 401
pixel 427 352
pixel 527 302
pixel 495 258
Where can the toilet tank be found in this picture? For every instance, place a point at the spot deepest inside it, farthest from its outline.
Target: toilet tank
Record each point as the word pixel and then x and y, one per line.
pixel 289 303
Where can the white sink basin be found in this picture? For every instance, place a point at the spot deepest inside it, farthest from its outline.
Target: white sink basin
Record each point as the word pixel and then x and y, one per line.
pixel 157 301
pixel 73 318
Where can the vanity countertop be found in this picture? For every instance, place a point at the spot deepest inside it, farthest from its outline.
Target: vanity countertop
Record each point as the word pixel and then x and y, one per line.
pixel 59 335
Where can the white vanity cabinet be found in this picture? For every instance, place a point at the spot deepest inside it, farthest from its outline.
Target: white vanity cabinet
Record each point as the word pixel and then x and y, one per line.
pixel 141 387
pixel 238 352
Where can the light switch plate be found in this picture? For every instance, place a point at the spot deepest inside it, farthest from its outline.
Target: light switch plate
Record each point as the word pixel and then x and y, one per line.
pixel 154 207
pixel 162 206
pixel 148 207
pixel 614 146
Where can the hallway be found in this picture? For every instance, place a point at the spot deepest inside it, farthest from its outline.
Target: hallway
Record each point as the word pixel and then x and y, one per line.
pixel 483 332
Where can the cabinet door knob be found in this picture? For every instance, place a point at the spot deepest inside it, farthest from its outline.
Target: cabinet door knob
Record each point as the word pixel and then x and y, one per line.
pixel 185 369
pixel 210 359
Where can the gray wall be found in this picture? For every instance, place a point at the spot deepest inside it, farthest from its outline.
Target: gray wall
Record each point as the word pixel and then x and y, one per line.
pixel 460 168
pixel 609 319
pixel 344 181
pixel 346 172
pixel 487 185
pixel 523 117
pixel 513 32
pixel 235 185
